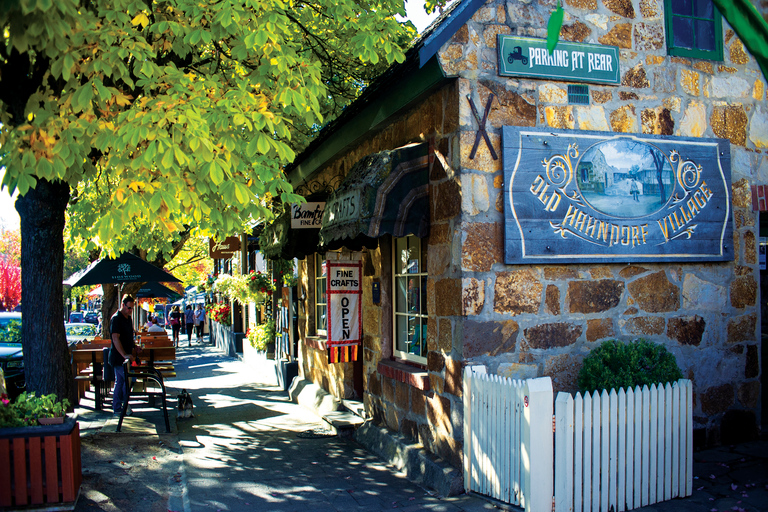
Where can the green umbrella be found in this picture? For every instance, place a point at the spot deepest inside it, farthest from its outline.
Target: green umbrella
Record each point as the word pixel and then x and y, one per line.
pixel 127 268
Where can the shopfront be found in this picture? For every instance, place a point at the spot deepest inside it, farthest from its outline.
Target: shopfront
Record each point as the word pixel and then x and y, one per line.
pixel 500 216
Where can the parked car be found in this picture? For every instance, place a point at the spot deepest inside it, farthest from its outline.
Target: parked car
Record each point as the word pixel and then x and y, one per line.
pixel 79 333
pixel 11 356
pixel 92 317
pixel 76 317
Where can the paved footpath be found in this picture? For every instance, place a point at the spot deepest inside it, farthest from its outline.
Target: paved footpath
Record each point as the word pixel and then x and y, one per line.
pixel 250 448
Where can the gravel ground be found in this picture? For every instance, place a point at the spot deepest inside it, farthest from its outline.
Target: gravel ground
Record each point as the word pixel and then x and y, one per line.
pixel 139 469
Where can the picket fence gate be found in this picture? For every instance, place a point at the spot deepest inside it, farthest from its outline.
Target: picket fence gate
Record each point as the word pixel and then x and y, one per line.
pixel 601 452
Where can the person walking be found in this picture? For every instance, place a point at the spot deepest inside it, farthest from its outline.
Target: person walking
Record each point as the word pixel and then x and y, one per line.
pixel 200 322
pixel 189 319
pixel 121 332
pixel 175 319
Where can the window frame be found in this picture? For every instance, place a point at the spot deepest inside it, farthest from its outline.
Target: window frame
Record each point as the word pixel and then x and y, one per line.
pixel 423 314
pixel 695 53
pixel 317 276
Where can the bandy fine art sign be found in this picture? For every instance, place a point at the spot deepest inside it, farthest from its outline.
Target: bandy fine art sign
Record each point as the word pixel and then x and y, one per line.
pixel 580 196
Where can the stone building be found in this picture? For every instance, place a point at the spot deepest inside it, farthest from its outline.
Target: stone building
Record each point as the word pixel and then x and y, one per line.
pixel 447 298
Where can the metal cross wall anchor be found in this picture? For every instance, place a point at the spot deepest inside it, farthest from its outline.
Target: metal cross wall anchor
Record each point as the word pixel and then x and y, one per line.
pixel 481 127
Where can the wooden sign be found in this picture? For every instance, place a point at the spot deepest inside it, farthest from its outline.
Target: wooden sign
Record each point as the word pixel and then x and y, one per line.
pixel 579 196
pixel 225 249
pixel 576 62
pixel 307 215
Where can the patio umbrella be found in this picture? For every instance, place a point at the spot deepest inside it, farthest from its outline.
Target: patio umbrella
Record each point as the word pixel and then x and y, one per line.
pixel 96 292
pixel 156 290
pixel 127 268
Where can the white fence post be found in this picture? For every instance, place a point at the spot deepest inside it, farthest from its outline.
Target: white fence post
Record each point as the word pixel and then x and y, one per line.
pixel 538 440
pixel 564 453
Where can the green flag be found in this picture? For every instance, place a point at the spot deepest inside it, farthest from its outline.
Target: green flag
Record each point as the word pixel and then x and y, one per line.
pixel 749 26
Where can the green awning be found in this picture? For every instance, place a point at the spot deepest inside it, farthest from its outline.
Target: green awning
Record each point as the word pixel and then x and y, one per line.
pixel 384 193
pixel 279 241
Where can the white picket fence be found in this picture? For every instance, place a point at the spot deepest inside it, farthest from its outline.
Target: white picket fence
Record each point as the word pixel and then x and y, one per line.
pixel 609 451
pixel 619 451
pixel 508 439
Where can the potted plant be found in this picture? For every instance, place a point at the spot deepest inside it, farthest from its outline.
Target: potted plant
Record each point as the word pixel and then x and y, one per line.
pixel 259 285
pixel 26 444
pixel 29 410
pixel 263 335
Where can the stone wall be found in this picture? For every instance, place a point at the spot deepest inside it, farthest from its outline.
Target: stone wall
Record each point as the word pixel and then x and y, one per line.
pixel 545 319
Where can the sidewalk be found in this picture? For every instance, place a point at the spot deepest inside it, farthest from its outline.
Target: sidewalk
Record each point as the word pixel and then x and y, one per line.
pixel 250 448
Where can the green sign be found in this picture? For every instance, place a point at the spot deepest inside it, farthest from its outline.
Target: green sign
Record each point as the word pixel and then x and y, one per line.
pixel 578 62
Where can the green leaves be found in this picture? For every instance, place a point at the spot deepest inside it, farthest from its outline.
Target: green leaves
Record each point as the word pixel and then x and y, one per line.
pixel 183 114
pixel 553 27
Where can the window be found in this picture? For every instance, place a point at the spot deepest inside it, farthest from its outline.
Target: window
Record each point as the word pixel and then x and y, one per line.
pixel 321 301
pixel 694 29
pixel 410 311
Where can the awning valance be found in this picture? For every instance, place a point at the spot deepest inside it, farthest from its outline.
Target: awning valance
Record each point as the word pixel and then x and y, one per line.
pixel 384 193
pixel 279 241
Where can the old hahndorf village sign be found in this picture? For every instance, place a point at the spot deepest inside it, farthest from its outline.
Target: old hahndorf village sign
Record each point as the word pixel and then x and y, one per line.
pixel 579 196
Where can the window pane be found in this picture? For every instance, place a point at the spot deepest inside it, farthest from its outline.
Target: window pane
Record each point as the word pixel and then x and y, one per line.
pixel 320 319
pixel 683 7
pixel 423 338
pixel 683 32
pixel 401 332
pixel 424 254
pixel 413 294
pixel 704 9
pixel 321 291
pixel 424 295
pixel 705 35
pixel 401 306
pixel 401 255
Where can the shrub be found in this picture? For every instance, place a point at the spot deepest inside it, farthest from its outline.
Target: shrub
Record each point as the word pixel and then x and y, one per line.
pixel 28 408
pixel 615 365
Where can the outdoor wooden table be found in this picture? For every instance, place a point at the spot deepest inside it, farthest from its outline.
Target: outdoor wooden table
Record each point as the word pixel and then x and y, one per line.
pixel 93 356
pixel 160 357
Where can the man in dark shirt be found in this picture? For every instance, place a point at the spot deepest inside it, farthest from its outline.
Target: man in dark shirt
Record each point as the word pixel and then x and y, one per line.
pixel 121 330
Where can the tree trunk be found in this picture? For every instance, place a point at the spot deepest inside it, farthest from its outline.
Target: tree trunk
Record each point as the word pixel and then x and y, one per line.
pixel 109 304
pixel 46 356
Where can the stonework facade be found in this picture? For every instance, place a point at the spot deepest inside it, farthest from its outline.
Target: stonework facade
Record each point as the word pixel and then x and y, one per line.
pixel 542 320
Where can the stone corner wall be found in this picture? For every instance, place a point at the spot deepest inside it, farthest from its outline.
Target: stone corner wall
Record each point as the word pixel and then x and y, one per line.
pixel 514 318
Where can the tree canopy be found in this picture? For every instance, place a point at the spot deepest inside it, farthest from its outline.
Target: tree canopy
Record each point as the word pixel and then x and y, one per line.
pixel 149 118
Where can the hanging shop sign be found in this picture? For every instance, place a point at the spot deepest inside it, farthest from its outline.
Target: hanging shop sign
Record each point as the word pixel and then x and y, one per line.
pixel 307 215
pixel 578 196
pixel 578 62
pixel 345 313
pixel 225 249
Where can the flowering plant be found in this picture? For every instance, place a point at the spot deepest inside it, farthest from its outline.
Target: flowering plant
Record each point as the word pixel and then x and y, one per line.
pixel 262 335
pixel 260 282
pixel 27 409
pixel 285 271
pixel 221 313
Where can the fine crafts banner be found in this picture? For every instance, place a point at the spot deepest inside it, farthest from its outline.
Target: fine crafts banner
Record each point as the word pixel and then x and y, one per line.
pixel 345 314
pixel 580 196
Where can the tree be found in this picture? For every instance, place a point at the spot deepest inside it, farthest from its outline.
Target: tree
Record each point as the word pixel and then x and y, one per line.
pixel 161 107
pixel 10 285
pixel 10 246
pixel 10 270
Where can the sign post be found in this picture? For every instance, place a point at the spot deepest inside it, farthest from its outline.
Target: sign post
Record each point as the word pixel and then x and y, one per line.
pixel 345 313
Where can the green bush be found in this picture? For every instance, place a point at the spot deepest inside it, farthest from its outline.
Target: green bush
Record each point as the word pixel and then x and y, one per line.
pixel 615 365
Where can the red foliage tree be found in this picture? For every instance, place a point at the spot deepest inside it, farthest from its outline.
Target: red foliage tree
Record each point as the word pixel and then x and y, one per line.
pixel 10 284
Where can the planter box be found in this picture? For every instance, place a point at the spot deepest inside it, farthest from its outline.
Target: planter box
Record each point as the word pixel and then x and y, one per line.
pixel 40 466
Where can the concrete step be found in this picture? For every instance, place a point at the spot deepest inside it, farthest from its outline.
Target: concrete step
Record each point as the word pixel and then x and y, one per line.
pixel 344 423
pixel 356 407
